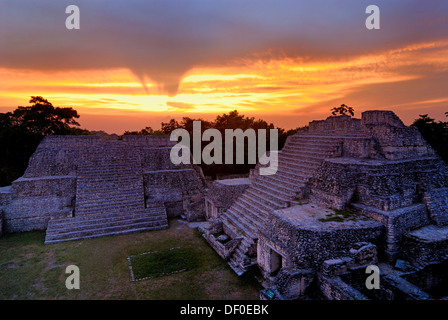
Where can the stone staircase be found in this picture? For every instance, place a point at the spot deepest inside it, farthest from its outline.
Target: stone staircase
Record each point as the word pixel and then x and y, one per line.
pixel 109 197
pixel 100 225
pixel 297 162
pixel 110 178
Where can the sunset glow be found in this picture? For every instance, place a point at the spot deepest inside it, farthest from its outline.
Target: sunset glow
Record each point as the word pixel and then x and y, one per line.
pixel 286 89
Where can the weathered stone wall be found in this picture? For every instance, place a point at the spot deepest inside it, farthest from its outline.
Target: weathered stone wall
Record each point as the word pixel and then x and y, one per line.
pixel 394 140
pixel 5 200
pixel 336 123
pixel 158 158
pixel 175 188
pixel 436 201
pixel 397 141
pixel 423 248
pixel 148 141
pixel 34 201
pixel 223 193
pixel 380 116
pixel 48 187
pixel 33 213
pixel 334 288
pixel 5 195
pixel 360 148
pixel 380 184
pixel 308 246
pixel 53 162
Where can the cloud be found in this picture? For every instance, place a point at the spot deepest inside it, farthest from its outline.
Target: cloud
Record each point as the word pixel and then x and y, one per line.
pixel 175 106
pixel 161 41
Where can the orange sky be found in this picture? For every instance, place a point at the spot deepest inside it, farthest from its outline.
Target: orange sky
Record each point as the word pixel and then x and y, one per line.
pixel 408 77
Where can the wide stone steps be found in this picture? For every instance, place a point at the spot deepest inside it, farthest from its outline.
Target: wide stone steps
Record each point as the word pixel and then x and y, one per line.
pixel 107 208
pixel 239 262
pixel 110 179
pixel 92 219
pixel 273 192
pixel 286 158
pixel 296 164
pixel 296 168
pixel 231 219
pixel 255 203
pixel 110 176
pixel 279 180
pixel 100 225
pixel 267 199
pixel 94 224
pixel 252 216
pixel 308 157
pixel 276 186
pixel 317 151
pixel 112 193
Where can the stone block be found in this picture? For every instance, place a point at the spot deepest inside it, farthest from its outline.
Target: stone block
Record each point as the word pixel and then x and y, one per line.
pixel 364 253
pixel 436 201
pixel 334 267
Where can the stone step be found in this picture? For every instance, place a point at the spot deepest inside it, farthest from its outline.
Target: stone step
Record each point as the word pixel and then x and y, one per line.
pixel 273 193
pixel 238 227
pixel 119 170
pixel 279 180
pixel 251 213
pixel 83 220
pixel 301 169
pixel 248 217
pixel 276 187
pixel 65 229
pixel 72 226
pixel 285 175
pixel 111 204
pixel 109 174
pixel 308 157
pixel 113 196
pixel 105 209
pixel 266 198
pixel 107 234
pixel 290 157
pixel 250 210
pixel 260 206
pixel 304 149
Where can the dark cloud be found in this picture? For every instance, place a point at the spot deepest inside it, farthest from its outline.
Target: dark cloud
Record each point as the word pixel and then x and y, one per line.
pixel 162 40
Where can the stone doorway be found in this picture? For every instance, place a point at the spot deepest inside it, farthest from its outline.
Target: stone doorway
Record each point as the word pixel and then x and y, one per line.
pixel 275 262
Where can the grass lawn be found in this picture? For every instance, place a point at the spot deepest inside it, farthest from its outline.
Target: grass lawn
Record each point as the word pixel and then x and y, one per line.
pixel 31 270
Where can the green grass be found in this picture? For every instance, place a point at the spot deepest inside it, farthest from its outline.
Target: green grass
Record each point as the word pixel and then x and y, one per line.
pixel 156 264
pixel 340 216
pixel 31 270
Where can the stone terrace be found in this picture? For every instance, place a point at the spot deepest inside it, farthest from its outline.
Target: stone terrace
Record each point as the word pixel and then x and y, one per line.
pixel 79 187
pixel 346 190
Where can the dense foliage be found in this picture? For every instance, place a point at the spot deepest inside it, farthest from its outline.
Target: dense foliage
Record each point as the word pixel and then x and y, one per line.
pixel 22 130
pixel 435 133
pixel 232 120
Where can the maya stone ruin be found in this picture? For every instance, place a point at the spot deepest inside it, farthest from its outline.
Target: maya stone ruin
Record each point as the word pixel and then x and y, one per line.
pixel 348 194
pixel 78 187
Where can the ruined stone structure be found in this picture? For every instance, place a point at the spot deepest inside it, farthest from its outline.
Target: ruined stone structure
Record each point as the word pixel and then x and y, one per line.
pixel 221 195
pixel 348 193
pixel 78 187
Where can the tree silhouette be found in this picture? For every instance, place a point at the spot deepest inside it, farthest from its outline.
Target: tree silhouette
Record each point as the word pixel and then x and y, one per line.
pixel 42 118
pixel 342 110
pixel 22 130
pixel 435 133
